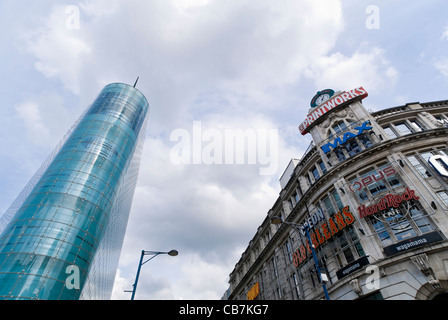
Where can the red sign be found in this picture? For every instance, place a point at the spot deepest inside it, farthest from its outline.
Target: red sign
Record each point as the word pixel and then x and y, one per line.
pixel 389 201
pixel 364 182
pixel 326 231
pixel 332 103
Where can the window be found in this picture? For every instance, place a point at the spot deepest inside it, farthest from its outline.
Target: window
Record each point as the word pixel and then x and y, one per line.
pixel 418 166
pixel 368 184
pixel 308 179
pixel 337 199
pixel 390 133
pixel 441 119
pixel 297 198
pixel 295 279
pixel 381 231
pixel 396 224
pixel 416 126
pixel 339 127
pixel 365 140
pixel 427 155
pixel 332 203
pixel 298 193
pixel 315 173
pixel 322 167
pixel 403 128
pixel 339 154
pixel 347 246
pixel 274 267
pixel 443 195
pixel 288 250
pixel 352 147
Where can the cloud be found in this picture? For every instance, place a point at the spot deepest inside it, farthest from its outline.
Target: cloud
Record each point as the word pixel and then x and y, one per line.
pixel 204 211
pixel 441 63
pixel 237 47
pixel 29 113
pixel 367 66
pixel 59 51
pixel 442 66
pixel 226 64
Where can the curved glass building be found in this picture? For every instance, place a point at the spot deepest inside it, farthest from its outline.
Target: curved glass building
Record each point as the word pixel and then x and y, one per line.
pixel 61 239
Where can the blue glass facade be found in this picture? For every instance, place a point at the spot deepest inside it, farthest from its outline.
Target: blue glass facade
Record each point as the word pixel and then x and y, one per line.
pixel 64 240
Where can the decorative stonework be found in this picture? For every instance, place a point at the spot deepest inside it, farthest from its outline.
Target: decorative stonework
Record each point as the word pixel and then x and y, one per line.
pixel 423 264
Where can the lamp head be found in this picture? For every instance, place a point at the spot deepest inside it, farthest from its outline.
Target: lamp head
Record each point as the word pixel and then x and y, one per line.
pixel 173 253
pixel 276 220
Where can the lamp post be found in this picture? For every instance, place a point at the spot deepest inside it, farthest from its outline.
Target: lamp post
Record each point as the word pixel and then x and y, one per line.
pixel 278 220
pixel 172 253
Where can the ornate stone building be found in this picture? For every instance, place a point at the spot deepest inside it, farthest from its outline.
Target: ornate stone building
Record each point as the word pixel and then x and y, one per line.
pixel 372 191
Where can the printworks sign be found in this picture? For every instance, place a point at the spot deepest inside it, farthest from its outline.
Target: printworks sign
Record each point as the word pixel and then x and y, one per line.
pixel 333 102
pixel 323 233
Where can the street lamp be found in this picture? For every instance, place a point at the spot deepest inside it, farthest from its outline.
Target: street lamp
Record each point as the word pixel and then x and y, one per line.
pixel 278 220
pixel 172 253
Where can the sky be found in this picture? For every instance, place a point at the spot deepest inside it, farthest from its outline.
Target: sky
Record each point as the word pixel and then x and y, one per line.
pixel 228 82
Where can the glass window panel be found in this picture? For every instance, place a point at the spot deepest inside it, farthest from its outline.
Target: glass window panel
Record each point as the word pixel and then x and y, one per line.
pixel 322 167
pixel 403 128
pixel 443 195
pixel 390 132
pixel 315 173
pixel 416 126
pixel 418 166
pixel 352 147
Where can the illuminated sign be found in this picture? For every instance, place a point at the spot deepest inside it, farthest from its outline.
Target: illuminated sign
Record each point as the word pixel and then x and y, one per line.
pixel 364 182
pixel 312 220
pixel 253 292
pixel 440 164
pixel 330 104
pixel 324 233
pixel 348 135
pixel 412 243
pixel 389 201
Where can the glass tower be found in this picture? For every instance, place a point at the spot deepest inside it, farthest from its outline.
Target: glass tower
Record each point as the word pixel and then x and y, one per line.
pixel 62 237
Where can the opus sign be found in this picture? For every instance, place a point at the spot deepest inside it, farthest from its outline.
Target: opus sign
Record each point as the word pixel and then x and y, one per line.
pixel 348 135
pixel 372 178
pixel 333 102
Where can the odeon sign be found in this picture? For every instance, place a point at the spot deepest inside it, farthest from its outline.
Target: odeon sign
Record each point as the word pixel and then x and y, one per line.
pixel 323 233
pixel 333 102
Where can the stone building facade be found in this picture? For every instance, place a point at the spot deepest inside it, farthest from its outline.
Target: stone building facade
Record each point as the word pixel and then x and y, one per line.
pixel 372 190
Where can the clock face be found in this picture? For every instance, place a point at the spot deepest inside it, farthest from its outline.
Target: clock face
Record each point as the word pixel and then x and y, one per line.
pixel 322 98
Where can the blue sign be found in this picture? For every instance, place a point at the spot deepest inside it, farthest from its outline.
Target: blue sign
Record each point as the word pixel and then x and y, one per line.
pixel 346 136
